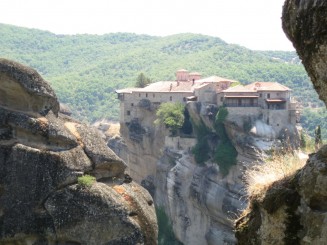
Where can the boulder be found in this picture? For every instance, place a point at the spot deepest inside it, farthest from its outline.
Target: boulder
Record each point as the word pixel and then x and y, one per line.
pixel 43 155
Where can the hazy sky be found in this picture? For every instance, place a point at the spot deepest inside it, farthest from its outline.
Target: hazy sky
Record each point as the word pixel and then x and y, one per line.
pixel 254 24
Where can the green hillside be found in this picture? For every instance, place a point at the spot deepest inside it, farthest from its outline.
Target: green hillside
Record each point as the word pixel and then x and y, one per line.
pixel 85 70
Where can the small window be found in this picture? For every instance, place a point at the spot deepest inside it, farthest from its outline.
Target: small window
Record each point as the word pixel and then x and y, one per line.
pixel 171 98
pixel 260 95
pixel 146 95
pixel 132 104
pixel 221 99
pixel 268 96
pixel 139 95
pixel 153 95
pixel 128 113
pixel 277 124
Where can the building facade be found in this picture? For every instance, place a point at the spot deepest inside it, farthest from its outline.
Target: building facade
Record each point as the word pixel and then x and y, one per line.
pixel 270 102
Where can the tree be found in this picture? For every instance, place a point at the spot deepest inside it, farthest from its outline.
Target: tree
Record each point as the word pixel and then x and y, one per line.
pixel 142 80
pixel 171 115
pixel 318 141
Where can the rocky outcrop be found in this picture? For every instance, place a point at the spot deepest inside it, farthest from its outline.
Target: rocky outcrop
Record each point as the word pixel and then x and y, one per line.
pixel 42 155
pixel 199 200
pixel 304 22
pixel 294 209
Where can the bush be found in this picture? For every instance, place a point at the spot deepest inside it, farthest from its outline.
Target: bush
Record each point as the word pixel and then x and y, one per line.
pixel 201 149
pixel 225 153
pixel 171 115
pixel 166 234
pixel 225 156
pixel 86 180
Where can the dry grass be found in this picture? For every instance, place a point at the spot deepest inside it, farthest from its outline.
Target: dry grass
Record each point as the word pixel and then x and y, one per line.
pixel 275 167
pixel 113 130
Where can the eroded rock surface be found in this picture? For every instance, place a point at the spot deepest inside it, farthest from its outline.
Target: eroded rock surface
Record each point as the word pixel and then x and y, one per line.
pixel 42 154
pixel 304 22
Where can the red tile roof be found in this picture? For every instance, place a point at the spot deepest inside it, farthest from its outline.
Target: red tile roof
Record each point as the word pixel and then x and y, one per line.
pixel 267 86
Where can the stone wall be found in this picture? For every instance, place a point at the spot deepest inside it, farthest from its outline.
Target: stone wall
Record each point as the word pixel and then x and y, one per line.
pixel 178 143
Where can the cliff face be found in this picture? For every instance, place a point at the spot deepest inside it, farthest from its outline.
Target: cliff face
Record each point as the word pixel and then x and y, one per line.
pixel 304 22
pixel 42 154
pixel 199 200
pixel 294 209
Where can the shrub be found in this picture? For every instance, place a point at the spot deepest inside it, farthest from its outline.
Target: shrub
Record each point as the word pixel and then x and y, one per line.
pixel 86 180
pixel 166 234
pixel 225 153
pixel 225 156
pixel 201 149
pixel 187 127
pixel 171 115
pixel 221 115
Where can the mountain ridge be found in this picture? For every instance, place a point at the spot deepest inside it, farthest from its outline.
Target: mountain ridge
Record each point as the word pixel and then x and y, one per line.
pixel 86 69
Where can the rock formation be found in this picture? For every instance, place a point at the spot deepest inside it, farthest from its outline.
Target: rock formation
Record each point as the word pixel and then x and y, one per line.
pixel 304 22
pixel 200 202
pixel 294 209
pixel 42 155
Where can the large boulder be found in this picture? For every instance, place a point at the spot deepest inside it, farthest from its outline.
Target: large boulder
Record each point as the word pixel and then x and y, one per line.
pixel 42 155
pixel 305 24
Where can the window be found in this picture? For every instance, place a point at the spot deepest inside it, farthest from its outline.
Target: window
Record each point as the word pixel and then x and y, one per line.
pixel 221 99
pixel 146 95
pixel 268 96
pixel 132 104
pixel 128 113
pixel 260 95
pixel 153 95
pixel 171 98
pixel 139 95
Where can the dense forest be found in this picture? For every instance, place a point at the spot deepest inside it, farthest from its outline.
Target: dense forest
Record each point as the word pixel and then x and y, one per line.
pixel 85 70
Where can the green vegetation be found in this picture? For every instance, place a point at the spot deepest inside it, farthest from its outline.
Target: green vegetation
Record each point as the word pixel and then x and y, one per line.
pixel 86 180
pixel 311 118
pixel 171 115
pixel 85 70
pixel 225 153
pixel 166 234
pixel 201 150
pixel 142 81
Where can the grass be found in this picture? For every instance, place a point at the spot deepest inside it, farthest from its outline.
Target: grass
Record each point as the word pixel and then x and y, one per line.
pixel 86 180
pixel 275 167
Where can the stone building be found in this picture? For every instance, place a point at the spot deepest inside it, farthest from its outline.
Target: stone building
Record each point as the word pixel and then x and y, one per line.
pixel 186 87
pixel 270 102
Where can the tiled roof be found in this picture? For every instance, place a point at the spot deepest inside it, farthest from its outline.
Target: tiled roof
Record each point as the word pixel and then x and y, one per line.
pixel 238 88
pixel 267 86
pixel 168 86
pixel 213 79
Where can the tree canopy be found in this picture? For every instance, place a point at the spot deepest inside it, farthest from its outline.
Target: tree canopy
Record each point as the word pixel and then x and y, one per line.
pixel 171 115
pixel 142 81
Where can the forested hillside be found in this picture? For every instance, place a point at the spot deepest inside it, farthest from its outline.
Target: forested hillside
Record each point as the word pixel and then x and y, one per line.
pixel 85 70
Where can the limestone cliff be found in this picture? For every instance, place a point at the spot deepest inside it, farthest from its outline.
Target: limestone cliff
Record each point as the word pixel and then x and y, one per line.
pixel 42 154
pixel 294 209
pixel 200 201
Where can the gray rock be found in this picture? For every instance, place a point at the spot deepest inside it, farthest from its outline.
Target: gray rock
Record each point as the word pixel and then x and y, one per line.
pixel 42 155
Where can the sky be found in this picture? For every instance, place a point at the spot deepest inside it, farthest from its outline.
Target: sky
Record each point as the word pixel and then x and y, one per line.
pixel 255 24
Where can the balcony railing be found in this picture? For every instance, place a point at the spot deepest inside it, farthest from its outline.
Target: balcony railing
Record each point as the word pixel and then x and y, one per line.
pixel 237 105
